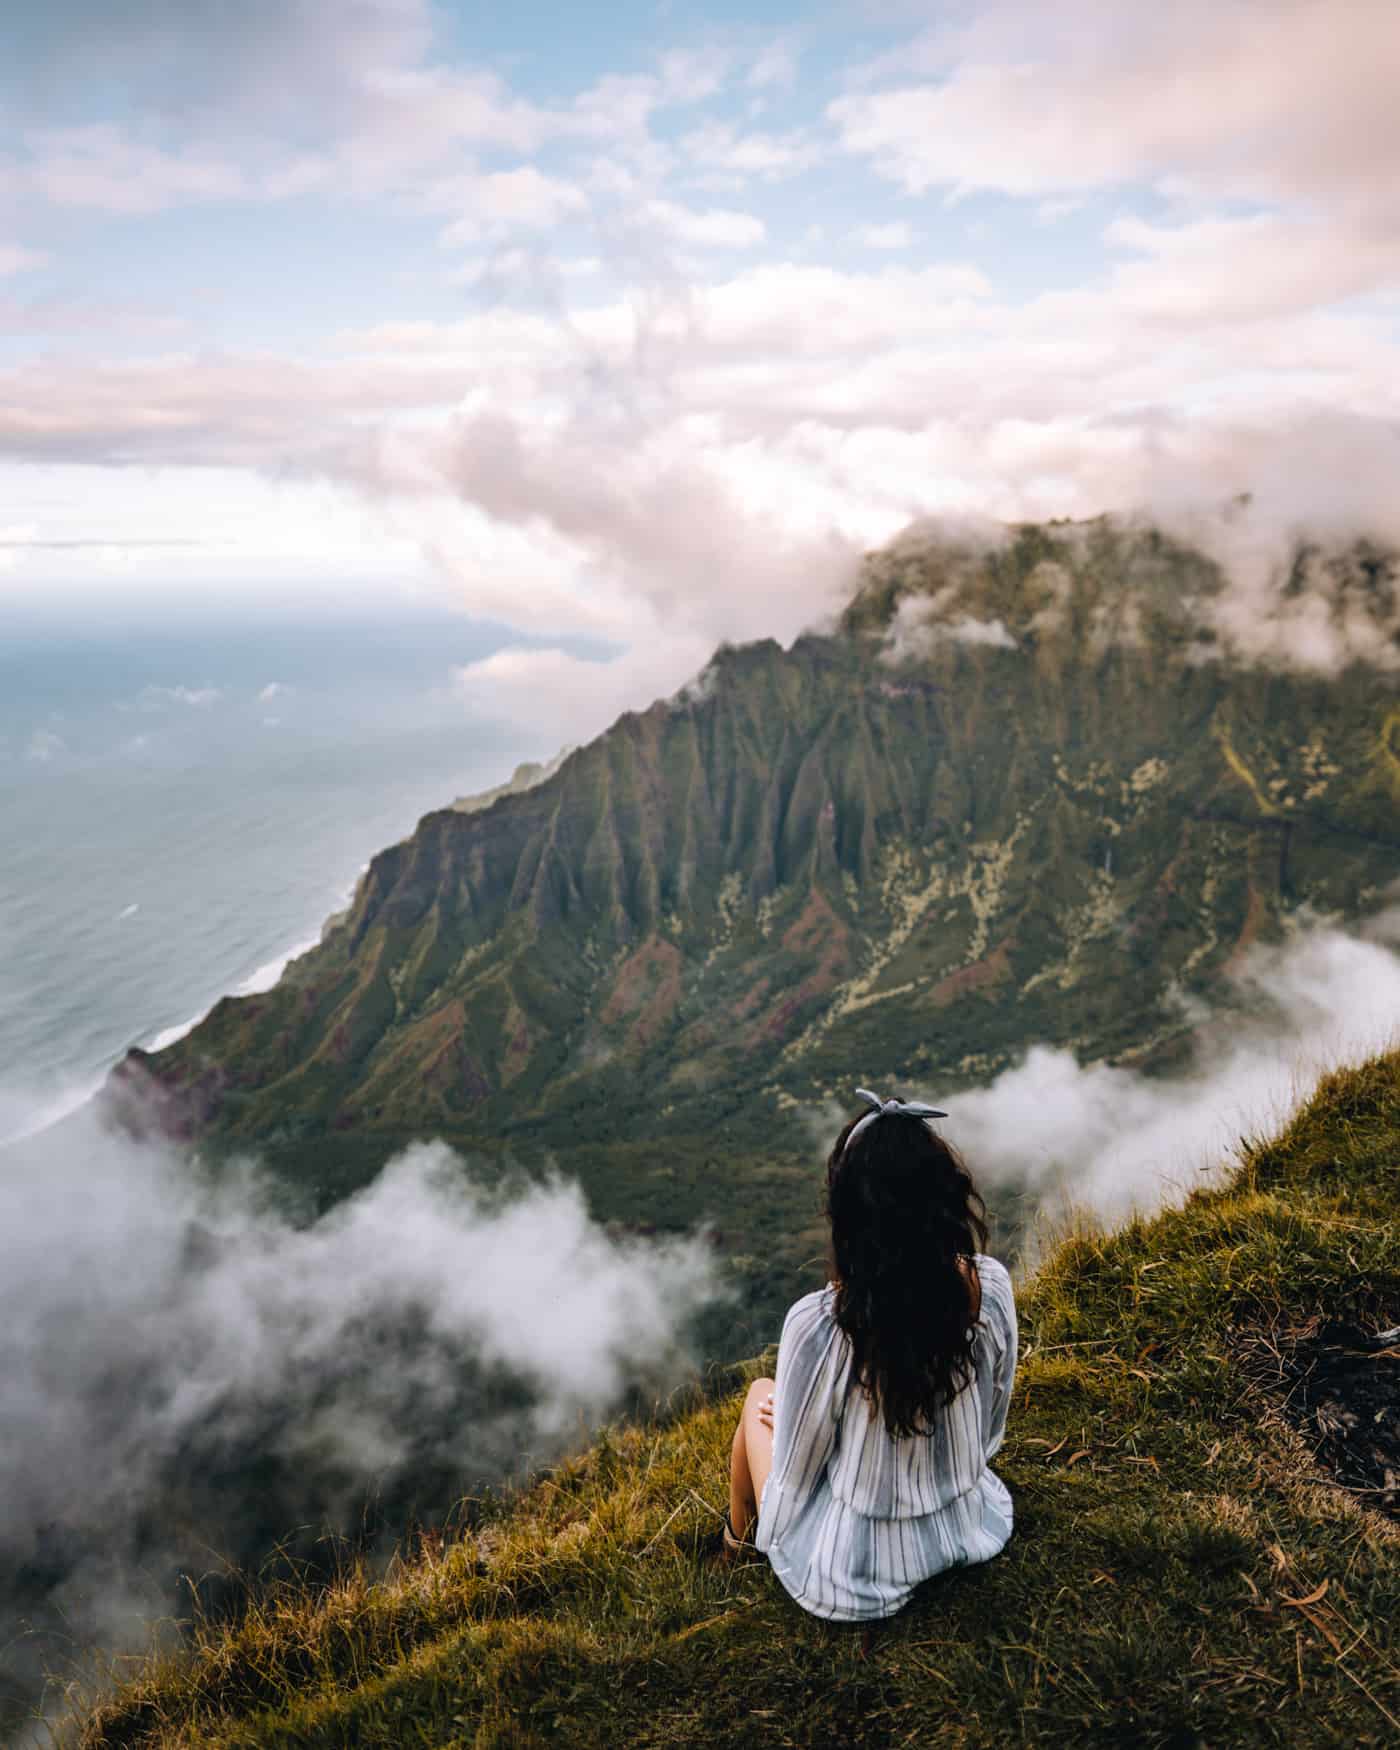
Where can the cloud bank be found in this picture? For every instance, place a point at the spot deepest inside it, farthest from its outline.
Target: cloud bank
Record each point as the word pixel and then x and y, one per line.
pixel 1249 100
pixel 1111 1140
pixel 672 343
pixel 187 1376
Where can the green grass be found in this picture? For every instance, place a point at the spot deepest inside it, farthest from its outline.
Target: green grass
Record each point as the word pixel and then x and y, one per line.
pixel 1181 1572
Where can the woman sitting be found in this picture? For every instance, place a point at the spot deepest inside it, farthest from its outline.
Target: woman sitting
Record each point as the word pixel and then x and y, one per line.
pixel 868 1457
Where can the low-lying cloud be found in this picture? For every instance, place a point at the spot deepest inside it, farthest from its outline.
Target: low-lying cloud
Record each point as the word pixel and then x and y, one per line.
pixel 187 1375
pixel 917 630
pixel 1111 1140
pixel 570 699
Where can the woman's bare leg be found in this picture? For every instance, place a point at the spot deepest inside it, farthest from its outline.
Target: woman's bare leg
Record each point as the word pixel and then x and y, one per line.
pixel 750 1459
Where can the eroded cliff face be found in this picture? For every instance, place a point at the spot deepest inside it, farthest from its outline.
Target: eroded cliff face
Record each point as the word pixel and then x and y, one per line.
pixel 1027 793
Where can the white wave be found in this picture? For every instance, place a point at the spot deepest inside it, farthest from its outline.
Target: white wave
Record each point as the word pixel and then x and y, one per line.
pixel 129 912
pixel 261 979
pixel 267 975
pixel 168 1035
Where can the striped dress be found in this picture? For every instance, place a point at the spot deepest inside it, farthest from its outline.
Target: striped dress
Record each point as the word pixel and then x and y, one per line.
pixel 851 1519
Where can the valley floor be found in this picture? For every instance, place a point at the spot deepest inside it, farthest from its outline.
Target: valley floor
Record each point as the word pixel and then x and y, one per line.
pixel 1186 1568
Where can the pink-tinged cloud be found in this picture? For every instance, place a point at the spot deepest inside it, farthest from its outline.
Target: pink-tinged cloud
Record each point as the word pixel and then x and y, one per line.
pixel 14 258
pixel 1284 100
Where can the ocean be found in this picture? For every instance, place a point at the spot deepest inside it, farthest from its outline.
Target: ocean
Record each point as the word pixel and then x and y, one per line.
pixel 182 806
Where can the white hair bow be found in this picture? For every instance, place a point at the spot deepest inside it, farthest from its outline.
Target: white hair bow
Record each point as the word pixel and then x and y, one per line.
pixel 910 1108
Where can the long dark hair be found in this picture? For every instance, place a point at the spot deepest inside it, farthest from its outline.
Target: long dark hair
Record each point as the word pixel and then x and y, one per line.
pixel 903 1212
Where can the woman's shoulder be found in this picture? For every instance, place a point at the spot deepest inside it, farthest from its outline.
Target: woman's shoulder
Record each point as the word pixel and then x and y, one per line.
pixel 995 1282
pixel 812 1308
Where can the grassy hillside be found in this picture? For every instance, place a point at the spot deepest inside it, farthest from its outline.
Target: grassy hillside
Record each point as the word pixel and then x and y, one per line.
pixel 1183 1571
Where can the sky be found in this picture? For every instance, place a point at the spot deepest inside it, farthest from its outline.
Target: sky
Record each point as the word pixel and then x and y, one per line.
pixel 638 323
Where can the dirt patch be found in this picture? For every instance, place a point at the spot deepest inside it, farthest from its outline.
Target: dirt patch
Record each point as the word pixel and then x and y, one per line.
pixel 518 1043
pixel 1339 1385
pixel 820 932
pixel 747 1003
pixel 994 969
pixel 647 987
pixel 814 930
pixel 1255 913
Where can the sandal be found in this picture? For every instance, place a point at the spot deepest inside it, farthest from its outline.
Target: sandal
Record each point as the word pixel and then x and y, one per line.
pixel 732 1543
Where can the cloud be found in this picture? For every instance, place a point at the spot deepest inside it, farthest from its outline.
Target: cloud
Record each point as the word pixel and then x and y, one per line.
pixel 713 229
pixel 1219 271
pixel 198 697
pixel 653 449
pixel 689 75
pixel 893 236
pixel 1112 1140
pixel 1297 594
pixel 504 200
pixel 200 409
pixel 658 525
pixel 709 462
pixel 110 318
pixel 44 745
pixel 272 64
pixel 687 449
pixel 723 155
pixel 991 633
pixel 1289 100
pixel 437 1327
pixel 1314 592
pixel 86 543
pixel 15 259
pixel 1050 212
pixel 918 628
pixel 523 275
pixel 774 67
pixel 98 166
pixel 568 699
pixel 291 99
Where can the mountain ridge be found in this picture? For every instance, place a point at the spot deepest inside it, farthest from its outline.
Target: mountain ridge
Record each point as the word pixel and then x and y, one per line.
pixel 1017 793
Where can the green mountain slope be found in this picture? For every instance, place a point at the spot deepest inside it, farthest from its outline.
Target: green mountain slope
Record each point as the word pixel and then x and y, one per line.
pixel 1183 1573
pixel 1018 794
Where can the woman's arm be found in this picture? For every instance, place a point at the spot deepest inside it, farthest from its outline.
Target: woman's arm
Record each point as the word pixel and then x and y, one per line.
pixel 808 1394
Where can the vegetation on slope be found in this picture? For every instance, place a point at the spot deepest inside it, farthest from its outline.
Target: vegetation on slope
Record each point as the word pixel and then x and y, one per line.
pixel 1182 1572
